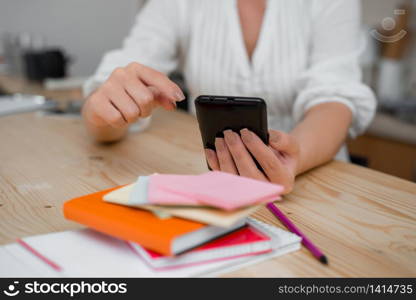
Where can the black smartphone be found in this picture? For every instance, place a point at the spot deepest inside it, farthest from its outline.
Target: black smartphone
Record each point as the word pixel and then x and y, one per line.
pixel 218 113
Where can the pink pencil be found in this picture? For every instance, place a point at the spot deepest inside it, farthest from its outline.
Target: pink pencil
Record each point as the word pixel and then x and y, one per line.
pixel 305 241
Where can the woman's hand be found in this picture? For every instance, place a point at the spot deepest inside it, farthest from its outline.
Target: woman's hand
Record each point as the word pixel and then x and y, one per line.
pixel 279 159
pixel 130 93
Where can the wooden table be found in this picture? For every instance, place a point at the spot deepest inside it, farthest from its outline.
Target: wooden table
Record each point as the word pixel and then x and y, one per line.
pixel 365 221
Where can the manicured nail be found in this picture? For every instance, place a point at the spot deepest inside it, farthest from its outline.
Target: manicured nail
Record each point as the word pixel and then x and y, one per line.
pixel 209 153
pixel 179 96
pixel 219 144
pixel 230 136
pixel 274 138
pixel 246 135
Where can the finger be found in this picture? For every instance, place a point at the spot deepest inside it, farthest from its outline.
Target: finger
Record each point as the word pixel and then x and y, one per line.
pixel 157 79
pixel 142 96
pixel 242 158
pixel 212 159
pixel 271 165
pixel 161 99
pixel 123 102
pixel 146 97
pixel 225 159
pixel 107 112
pixel 281 141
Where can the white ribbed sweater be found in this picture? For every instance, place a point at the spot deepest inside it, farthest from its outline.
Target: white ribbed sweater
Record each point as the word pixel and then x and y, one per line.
pixel 307 53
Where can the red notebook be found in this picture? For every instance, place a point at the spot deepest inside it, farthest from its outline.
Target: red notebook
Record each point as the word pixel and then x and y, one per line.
pixel 242 242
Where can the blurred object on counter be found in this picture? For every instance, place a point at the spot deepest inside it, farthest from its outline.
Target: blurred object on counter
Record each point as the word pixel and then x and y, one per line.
pixel 19 103
pixel 70 109
pixel 390 84
pixel 64 83
pixel 46 63
pixel 394 37
pixel 12 53
pixel 27 56
pixel 13 85
pixel 15 46
pixel 404 110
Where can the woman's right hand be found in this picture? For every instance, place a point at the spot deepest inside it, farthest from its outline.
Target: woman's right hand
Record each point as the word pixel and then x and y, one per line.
pixel 130 93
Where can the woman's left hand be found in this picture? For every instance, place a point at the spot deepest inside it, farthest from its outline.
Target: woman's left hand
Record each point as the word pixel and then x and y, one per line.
pixel 279 159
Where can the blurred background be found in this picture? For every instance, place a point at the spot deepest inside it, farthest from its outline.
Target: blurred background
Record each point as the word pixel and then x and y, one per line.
pixel 49 47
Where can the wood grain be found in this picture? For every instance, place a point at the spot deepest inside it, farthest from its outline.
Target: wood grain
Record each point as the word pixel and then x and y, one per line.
pixel 365 221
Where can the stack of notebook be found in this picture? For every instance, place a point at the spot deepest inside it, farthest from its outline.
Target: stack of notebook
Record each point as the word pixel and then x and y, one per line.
pixel 159 226
pixel 179 221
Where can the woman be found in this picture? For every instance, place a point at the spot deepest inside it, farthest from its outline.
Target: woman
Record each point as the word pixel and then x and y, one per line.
pixel 301 56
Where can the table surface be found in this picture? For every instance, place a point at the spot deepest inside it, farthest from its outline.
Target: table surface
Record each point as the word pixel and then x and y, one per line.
pixel 364 221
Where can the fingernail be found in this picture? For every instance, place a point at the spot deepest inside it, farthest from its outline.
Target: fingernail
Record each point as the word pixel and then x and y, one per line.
pixel 219 143
pixel 179 96
pixel 209 153
pixel 273 138
pixel 230 136
pixel 246 135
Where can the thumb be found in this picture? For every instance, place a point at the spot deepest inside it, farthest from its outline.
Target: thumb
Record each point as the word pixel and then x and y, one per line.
pixel 282 141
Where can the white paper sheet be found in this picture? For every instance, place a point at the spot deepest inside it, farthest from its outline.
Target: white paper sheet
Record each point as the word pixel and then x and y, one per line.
pixel 87 253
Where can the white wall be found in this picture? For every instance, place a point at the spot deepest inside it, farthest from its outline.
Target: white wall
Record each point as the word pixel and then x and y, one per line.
pixel 84 28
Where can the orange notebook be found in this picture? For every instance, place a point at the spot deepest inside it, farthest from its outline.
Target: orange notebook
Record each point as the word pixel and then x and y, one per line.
pixel 165 236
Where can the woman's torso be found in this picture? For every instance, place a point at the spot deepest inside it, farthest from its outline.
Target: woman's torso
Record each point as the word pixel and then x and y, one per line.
pixel 215 59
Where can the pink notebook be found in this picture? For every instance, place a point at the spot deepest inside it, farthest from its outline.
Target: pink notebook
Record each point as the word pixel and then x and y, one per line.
pixel 217 189
pixel 157 194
